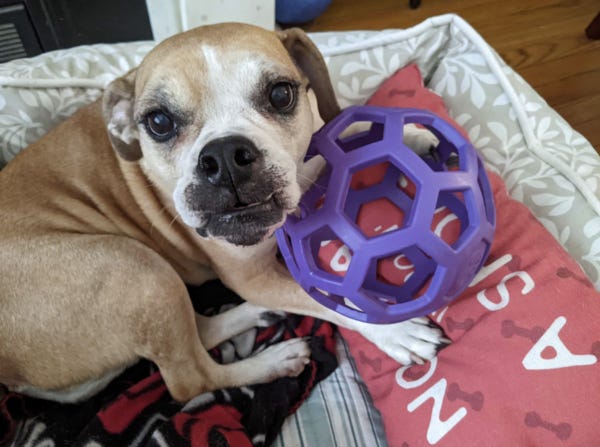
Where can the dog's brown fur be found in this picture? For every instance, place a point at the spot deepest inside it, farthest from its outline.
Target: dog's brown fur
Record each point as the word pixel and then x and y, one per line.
pixel 94 256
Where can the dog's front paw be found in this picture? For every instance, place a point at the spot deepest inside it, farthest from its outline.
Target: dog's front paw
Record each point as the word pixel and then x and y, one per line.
pixel 285 359
pixel 420 140
pixel 411 341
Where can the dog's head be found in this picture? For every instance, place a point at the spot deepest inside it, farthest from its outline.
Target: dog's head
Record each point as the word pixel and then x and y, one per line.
pixel 220 118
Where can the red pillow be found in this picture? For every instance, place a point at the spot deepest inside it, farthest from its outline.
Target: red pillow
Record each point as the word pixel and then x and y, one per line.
pixel 523 367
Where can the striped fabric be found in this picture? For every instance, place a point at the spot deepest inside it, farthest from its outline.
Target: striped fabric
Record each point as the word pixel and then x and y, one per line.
pixel 339 412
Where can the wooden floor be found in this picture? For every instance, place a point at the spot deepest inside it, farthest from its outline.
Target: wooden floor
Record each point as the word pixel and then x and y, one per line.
pixel 543 40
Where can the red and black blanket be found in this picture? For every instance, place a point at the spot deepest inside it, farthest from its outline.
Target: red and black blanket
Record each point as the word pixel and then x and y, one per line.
pixel 137 410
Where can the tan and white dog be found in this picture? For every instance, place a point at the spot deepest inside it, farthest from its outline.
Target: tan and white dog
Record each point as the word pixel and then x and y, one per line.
pixel 180 174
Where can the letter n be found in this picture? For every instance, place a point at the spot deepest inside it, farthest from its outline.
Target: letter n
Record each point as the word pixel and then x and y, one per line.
pixel 437 428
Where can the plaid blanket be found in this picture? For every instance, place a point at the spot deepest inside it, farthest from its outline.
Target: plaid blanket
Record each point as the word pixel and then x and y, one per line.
pixel 137 410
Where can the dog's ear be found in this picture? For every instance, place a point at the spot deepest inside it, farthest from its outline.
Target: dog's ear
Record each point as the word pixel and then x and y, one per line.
pixel 308 58
pixel 117 109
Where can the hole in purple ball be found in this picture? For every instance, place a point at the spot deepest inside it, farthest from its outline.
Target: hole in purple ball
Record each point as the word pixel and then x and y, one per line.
pixel 358 134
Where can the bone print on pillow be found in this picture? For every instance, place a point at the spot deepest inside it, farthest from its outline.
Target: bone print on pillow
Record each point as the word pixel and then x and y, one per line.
pixel 523 367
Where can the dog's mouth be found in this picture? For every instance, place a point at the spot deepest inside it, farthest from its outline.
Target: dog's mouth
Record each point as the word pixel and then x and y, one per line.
pixel 245 223
pixel 256 207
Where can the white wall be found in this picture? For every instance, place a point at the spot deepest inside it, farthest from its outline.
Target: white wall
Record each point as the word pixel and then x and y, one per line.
pixel 169 17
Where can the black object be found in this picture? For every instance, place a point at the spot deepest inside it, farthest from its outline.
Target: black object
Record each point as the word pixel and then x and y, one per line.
pixel 593 29
pixel 17 36
pixel 30 27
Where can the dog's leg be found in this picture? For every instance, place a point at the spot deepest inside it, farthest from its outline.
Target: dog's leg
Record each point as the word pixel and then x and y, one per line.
pixel 188 369
pixel 121 301
pixel 411 341
pixel 224 326
pixel 170 338
pixel 419 139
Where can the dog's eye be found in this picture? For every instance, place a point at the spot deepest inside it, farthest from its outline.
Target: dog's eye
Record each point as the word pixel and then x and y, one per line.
pixel 282 96
pixel 160 126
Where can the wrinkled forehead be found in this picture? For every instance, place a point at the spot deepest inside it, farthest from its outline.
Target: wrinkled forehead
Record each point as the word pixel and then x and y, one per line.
pixel 197 62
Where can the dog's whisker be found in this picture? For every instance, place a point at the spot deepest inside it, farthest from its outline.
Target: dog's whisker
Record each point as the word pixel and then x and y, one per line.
pixel 175 219
pixel 164 210
pixel 306 181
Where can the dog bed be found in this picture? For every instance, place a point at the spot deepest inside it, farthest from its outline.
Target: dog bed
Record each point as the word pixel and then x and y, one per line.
pixel 547 166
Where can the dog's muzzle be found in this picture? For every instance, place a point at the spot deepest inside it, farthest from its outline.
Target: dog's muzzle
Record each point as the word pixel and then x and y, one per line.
pixel 240 199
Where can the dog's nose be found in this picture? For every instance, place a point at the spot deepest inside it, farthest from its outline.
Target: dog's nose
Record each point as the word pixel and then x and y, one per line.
pixel 228 161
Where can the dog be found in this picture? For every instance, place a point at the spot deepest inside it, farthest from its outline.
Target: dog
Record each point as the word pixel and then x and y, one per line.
pixel 179 174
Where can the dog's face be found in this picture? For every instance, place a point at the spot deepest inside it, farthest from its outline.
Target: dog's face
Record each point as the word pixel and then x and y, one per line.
pixel 220 119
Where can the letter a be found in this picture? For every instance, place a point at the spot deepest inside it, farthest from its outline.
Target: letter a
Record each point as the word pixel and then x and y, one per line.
pixel 563 358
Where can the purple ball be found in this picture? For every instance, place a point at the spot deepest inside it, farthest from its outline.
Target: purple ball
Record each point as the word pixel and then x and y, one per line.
pixel 451 176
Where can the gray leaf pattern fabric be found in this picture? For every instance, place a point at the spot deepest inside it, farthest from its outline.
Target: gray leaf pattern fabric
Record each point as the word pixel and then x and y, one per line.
pixel 544 162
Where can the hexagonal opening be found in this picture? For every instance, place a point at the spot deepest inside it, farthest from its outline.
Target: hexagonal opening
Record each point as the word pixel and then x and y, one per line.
pixel 446 225
pixel 358 134
pixel 407 186
pixel 378 217
pixel 451 220
pixel 331 255
pixel 445 156
pixel 452 161
pixel 380 199
pixel 395 270
pixel 314 198
pixel 369 176
pixel 403 276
